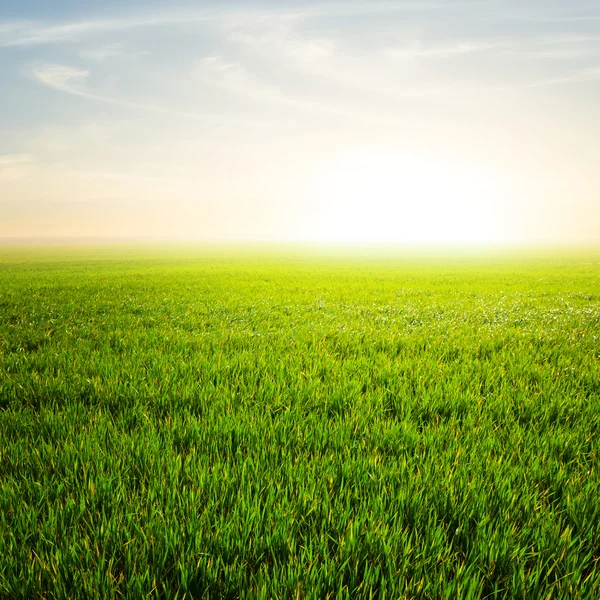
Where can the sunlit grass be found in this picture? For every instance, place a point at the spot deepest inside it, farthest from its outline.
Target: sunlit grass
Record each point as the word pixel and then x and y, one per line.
pixel 211 423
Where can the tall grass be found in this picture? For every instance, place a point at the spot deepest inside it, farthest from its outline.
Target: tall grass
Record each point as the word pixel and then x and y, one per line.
pixel 203 424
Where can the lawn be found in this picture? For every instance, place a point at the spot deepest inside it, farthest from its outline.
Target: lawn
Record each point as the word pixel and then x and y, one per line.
pixel 215 422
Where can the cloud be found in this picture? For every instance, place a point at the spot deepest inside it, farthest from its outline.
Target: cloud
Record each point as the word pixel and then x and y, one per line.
pixel 560 53
pixel 236 79
pixel 420 50
pixel 233 77
pixel 26 33
pixel 277 36
pixel 70 79
pixel 377 72
pixel 34 33
pixel 342 78
pixel 285 43
pixel 303 51
pixel 583 75
pixel 563 47
pixel 102 53
pixel 277 41
pixel 586 75
pixel 61 77
pixel 555 46
pixel 107 52
pixel 556 18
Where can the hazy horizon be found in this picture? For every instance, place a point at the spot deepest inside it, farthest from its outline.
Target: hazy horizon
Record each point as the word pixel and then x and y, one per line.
pixel 399 122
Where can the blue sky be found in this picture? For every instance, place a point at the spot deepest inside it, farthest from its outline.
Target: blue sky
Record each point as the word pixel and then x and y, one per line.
pixel 382 120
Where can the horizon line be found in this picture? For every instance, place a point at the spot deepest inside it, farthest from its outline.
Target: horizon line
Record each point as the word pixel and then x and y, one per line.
pixel 243 240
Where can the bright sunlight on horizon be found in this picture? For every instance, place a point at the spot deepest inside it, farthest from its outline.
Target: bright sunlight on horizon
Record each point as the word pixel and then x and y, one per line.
pixel 397 121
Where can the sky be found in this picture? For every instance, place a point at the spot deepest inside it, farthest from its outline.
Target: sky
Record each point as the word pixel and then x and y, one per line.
pixel 426 121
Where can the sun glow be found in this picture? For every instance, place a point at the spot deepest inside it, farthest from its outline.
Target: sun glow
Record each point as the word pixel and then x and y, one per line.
pixel 378 195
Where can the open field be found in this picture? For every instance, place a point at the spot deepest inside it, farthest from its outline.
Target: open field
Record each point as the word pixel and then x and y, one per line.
pixel 211 423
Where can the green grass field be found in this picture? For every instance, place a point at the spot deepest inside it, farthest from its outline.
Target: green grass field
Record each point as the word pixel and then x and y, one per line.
pixel 213 423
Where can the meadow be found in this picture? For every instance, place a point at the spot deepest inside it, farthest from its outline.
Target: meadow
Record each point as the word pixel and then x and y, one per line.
pixel 251 423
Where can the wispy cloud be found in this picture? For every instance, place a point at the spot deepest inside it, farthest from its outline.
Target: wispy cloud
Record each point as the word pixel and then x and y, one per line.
pixel 561 47
pixel 586 75
pixel 101 53
pixel 236 79
pixel 574 76
pixel 32 33
pixel 62 78
pixel 25 33
pixel 277 36
pixel 106 52
pixel 72 80
pixel 374 72
pixel 233 77
pixel 540 17
pixel 420 50
pixel 340 76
